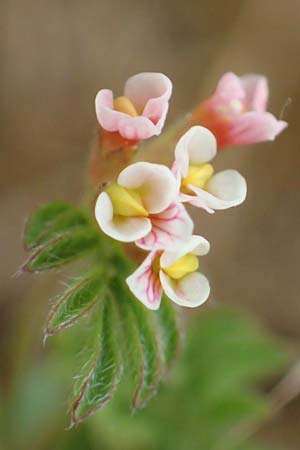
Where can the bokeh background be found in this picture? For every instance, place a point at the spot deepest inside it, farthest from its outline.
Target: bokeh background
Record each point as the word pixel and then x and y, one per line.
pixel 56 55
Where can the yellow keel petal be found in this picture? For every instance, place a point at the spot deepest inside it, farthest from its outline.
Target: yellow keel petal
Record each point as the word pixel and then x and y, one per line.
pixel 186 264
pixel 198 175
pixel 123 104
pixel 126 202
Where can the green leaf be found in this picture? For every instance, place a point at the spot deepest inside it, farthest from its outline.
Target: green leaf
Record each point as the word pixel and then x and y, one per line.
pixel 78 299
pixel 101 374
pixel 62 250
pixel 146 362
pixel 51 220
pixel 169 331
pixel 151 365
pixel 129 335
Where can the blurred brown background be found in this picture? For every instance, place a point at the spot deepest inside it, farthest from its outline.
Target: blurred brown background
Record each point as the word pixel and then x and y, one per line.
pixel 56 55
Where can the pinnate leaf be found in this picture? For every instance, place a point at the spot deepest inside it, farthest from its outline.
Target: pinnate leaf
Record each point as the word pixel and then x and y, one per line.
pixel 78 299
pixel 51 220
pixel 169 331
pixel 62 250
pixel 151 365
pixel 144 358
pixel 101 374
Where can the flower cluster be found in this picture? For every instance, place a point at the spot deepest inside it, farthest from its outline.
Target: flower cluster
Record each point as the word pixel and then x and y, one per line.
pixel 146 203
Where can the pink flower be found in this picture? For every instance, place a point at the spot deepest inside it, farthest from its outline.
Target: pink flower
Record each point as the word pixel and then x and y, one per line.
pixel 141 112
pixel 143 207
pixel 236 112
pixel 173 272
pixel 198 184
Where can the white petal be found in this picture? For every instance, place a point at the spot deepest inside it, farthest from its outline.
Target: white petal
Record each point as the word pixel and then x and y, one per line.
pixel 177 174
pixel 191 290
pixel 224 190
pixel 197 146
pixel 144 87
pixel 170 227
pixel 145 284
pixel 125 229
pixel 197 245
pixel 229 186
pixel 157 184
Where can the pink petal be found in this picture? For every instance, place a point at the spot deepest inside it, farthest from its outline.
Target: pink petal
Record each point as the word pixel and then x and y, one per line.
pixel 190 291
pixel 169 228
pixel 136 128
pixel 150 93
pixel 145 284
pixel 257 92
pixel 252 127
pixel 132 128
pixel 156 182
pixel 125 229
pixel 229 88
pixel 107 117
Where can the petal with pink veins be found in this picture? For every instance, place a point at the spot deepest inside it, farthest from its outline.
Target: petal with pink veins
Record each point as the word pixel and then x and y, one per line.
pixel 169 228
pixel 145 284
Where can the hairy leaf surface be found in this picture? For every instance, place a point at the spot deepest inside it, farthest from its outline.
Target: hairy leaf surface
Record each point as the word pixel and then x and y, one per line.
pixel 50 221
pixel 62 250
pixel 78 299
pixel 101 375
pixel 169 331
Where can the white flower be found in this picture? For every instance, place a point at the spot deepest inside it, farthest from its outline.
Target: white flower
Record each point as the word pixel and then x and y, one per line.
pixel 175 273
pixel 197 182
pixel 142 206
